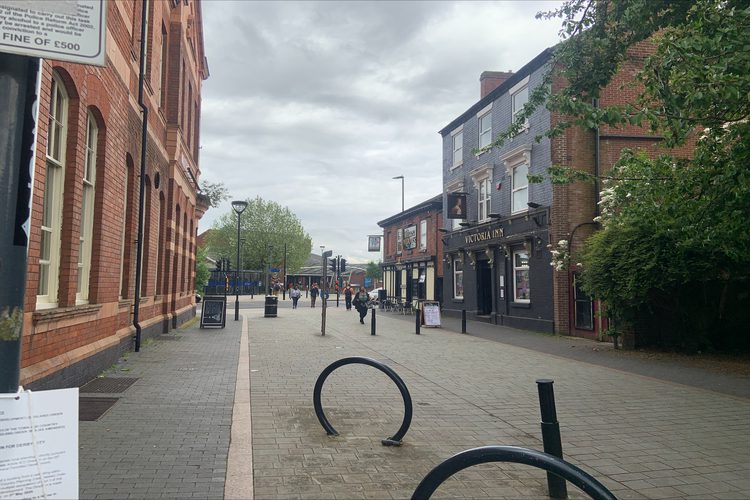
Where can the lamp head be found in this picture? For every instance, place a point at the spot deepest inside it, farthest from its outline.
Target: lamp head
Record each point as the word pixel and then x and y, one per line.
pixel 239 206
pixel 399 177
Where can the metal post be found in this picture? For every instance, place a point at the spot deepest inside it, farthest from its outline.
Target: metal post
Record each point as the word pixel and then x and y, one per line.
pixel 551 435
pixel 372 322
pixel 18 82
pixel 283 293
pixel 237 273
pixel 418 323
pixel 463 320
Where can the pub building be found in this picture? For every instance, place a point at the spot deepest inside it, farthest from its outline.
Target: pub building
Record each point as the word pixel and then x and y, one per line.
pixel 501 229
pixel 413 253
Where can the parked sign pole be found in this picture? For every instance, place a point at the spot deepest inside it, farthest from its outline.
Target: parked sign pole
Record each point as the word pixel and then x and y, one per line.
pixel 18 87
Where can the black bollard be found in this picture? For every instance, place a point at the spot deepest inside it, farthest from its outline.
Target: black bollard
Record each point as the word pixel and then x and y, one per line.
pixel 418 323
pixel 372 322
pixel 463 320
pixel 551 435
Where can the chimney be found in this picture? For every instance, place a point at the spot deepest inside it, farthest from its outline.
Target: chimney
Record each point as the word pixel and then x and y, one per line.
pixel 490 80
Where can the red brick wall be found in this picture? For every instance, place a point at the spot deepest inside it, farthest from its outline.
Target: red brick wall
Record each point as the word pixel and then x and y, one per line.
pixel 110 93
pixel 574 205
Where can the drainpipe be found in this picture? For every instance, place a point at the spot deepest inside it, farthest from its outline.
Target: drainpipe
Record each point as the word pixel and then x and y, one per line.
pixel 597 160
pixel 141 201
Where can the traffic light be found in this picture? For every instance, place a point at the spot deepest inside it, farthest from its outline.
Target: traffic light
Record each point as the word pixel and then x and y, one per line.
pixel 342 265
pixel 333 265
pixel 228 265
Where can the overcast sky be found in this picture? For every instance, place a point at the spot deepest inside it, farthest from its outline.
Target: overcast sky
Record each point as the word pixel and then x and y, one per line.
pixel 317 105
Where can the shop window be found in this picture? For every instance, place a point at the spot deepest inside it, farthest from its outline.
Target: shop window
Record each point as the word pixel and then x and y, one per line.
pixel 521 286
pixel 458 279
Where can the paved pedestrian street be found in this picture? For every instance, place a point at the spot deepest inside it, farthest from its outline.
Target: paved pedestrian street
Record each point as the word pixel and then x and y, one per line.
pixel 169 434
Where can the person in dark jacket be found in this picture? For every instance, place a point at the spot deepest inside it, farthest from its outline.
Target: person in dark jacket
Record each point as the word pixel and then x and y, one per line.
pixel 313 294
pixel 360 303
pixel 348 292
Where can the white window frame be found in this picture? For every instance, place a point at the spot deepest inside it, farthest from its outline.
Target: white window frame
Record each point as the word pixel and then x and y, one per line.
pixel 87 211
pixel 484 199
pixel 516 270
pixel 458 275
pixel 520 190
pixel 517 90
pixel 400 241
pixel 457 143
pixel 485 134
pixel 512 160
pixel 49 265
pixel 423 235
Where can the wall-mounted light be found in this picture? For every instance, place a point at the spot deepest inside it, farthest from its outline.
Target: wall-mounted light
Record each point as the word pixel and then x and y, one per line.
pixel 467 224
pixel 531 204
pixel 494 216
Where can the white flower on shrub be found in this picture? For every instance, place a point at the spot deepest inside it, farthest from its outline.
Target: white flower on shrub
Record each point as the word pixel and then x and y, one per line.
pixel 560 256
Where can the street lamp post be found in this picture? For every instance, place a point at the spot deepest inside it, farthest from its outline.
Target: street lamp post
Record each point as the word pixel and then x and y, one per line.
pixel 239 206
pixel 402 190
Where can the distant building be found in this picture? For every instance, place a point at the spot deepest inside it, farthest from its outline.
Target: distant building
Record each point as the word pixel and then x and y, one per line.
pixel 413 252
pixel 81 280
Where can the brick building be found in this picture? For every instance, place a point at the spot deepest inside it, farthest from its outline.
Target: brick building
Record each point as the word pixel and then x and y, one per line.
pixel 413 252
pixel 80 290
pixel 498 256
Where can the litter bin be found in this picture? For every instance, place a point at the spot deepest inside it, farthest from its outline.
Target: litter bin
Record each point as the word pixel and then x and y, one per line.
pixel 272 306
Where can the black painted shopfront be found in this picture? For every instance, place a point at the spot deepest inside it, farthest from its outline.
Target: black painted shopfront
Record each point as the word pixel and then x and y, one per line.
pixel 500 272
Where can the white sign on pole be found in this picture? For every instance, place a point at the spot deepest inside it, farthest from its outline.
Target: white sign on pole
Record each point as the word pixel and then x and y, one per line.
pixel 39 444
pixel 67 30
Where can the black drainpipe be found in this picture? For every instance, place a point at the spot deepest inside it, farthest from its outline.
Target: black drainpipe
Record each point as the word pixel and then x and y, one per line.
pixel 141 201
pixel 597 140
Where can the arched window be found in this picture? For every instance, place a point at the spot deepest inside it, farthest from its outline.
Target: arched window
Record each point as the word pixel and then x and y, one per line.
pixel 87 211
pixel 147 238
pixel 160 223
pixel 49 257
pixel 126 251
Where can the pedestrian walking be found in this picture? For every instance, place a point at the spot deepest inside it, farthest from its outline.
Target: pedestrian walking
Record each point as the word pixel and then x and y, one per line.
pixel 294 293
pixel 348 293
pixel 313 294
pixel 360 303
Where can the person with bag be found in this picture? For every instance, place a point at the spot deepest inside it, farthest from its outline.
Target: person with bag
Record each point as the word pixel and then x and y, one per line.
pixel 294 293
pixel 360 303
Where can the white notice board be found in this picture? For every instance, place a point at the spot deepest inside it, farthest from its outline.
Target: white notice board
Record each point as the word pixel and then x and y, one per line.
pixel 431 313
pixel 68 30
pixel 39 444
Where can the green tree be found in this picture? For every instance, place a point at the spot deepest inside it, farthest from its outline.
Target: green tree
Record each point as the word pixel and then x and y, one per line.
pixel 201 269
pixel 374 270
pixel 673 257
pixel 214 192
pixel 265 226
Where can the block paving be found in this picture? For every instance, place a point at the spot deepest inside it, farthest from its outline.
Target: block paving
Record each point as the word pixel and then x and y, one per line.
pixel 169 435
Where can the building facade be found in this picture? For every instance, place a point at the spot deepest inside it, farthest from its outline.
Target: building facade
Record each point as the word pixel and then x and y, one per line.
pixel 81 278
pixel 413 252
pixel 498 256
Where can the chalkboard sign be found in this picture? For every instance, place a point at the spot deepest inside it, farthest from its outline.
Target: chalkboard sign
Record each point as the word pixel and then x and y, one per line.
pixel 431 314
pixel 213 312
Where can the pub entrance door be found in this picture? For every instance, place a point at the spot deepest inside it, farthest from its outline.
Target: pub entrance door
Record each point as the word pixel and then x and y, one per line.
pixel 484 288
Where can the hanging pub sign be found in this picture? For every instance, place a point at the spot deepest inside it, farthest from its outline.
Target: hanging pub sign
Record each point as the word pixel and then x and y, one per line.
pixel 456 205
pixel 373 243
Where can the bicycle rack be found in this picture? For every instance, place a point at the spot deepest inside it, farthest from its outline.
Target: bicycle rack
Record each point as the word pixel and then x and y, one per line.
pixel 394 440
pixel 514 454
